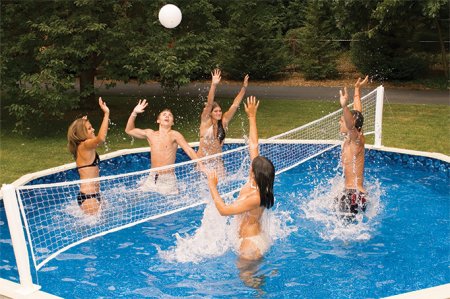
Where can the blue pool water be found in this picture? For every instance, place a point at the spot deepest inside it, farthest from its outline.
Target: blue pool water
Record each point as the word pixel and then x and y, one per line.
pixel 402 245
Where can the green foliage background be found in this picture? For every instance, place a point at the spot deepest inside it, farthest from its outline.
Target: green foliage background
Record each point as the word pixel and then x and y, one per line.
pixel 52 51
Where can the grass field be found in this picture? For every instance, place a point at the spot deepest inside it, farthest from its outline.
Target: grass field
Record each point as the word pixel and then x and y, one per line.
pixel 415 127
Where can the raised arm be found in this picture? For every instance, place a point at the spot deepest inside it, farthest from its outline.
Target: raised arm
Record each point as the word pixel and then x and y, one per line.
pixel 227 116
pixel 357 96
pixel 102 132
pixel 250 108
pixel 130 129
pixel 348 117
pixel 239 206
pixel 215 79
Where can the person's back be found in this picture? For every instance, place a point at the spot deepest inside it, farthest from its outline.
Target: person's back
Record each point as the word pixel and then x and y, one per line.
pixel 352 159
pixel 254 198
pixel 353 197
pixel 250 220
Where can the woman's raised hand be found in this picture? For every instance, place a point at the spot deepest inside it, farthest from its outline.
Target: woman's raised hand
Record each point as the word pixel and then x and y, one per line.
pixel 251 106
pixel 215 76
pixel 360 82
pixel 140 107
pixel 343 97
pixel 245 84
pixel 102 105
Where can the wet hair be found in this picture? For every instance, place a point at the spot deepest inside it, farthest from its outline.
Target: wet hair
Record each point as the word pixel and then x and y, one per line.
pixel 221 133
pixel 359 119
pixel 164 110
pixel 76 134
pixel 264 172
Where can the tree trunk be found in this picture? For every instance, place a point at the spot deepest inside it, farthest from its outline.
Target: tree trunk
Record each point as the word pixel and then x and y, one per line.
pixel 87 92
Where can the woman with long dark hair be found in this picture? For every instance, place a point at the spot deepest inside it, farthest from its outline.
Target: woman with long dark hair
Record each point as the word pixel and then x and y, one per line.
pixel 214 123
pixel 255 196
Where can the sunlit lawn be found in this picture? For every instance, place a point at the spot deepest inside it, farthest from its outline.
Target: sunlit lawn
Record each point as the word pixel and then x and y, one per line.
pixel 415 127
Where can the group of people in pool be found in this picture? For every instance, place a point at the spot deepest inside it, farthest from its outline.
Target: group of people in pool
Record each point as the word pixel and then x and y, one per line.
pixel 255 196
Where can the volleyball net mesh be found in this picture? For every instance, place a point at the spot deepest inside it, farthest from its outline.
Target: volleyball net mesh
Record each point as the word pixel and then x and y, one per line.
pixel 54 222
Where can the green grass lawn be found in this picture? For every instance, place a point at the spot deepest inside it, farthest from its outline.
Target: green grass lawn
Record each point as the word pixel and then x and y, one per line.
pixel 415 127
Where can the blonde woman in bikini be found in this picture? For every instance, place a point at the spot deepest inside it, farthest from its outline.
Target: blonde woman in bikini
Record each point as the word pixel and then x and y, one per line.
pixel 255 196
pixel 353 197
pixel 214 124
pixel 82 144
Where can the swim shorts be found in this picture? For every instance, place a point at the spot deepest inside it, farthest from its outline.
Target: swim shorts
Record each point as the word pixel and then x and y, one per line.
pixel 352 201
pixel 165 184
pixel 83 196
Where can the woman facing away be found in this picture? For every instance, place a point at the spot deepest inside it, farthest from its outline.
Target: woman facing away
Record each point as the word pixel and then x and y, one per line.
pixel 255 196
pixel 214 123
pixel 82 143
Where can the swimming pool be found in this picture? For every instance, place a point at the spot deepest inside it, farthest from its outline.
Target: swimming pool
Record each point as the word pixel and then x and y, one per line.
pixel 388 253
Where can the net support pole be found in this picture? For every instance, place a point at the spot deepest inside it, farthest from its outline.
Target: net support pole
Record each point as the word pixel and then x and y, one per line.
pixel 379 115
pixel 18 240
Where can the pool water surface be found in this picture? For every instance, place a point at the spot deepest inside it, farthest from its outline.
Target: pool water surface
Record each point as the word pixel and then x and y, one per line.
pixel 401 246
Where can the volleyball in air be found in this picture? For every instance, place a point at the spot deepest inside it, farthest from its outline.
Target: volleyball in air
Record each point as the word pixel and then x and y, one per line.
pixel 169 16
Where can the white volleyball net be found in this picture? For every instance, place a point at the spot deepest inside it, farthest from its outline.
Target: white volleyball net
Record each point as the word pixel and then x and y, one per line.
pixel 54 221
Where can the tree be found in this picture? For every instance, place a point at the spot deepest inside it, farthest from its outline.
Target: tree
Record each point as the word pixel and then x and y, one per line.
pixel 389 45
pixel 254 40
pixel 317 49
pixel 55 42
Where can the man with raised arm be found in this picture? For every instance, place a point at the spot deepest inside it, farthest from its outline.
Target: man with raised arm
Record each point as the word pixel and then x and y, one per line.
pixel 163 143
pixel 353 198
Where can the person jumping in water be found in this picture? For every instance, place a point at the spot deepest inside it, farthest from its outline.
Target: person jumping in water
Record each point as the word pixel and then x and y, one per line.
pixel 214 123
pixel 353 197
pixel 82 144
pixel 163 143
pixel 254 198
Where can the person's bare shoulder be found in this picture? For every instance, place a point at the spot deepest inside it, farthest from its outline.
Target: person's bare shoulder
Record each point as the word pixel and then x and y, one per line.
pixel 175 134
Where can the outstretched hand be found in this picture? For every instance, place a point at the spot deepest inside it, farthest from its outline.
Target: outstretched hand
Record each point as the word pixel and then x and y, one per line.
pixel 102 105
pixel 215 76
pixel 360 82
pixel 251 106
pixel 140 107
pixel 213 180
pixel 245 84
pixel 344 97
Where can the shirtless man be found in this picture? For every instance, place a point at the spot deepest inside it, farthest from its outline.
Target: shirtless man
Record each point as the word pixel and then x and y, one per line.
pixel 163 143
pixel 351 122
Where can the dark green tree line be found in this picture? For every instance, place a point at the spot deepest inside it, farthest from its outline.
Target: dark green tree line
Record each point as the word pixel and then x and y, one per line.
pixel 53 51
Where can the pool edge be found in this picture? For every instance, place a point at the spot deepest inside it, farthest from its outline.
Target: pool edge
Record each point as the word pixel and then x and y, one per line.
pixel 438 292
pixel 13 290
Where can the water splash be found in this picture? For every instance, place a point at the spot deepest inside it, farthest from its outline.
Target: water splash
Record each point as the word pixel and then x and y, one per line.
pixel 217 234
pixel 322 209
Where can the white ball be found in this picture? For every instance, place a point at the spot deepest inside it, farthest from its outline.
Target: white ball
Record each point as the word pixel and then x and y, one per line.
pixel 169 16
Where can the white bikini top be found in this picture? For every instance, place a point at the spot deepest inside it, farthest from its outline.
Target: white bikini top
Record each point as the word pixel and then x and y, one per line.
pixel 209 134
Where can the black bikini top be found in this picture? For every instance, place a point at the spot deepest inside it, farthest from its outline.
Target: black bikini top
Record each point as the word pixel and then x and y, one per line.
pixel 94 163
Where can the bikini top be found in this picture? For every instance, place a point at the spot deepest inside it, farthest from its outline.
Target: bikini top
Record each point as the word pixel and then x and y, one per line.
pixel 94 163
pixel 221 133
